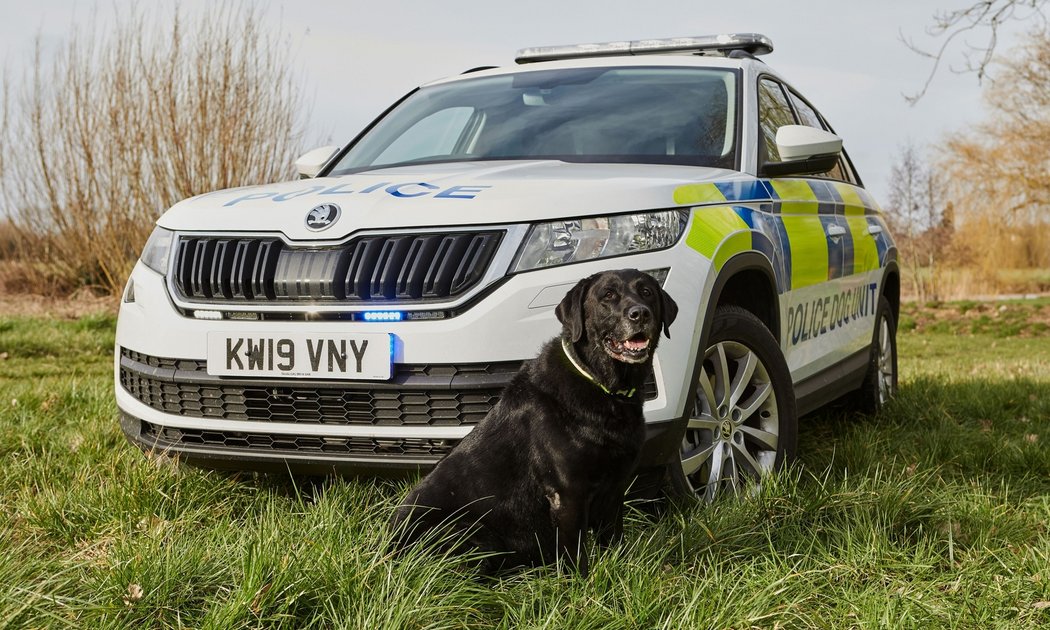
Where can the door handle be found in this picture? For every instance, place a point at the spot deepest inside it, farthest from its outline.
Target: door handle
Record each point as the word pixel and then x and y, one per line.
pixel 874 229
pixel 835 231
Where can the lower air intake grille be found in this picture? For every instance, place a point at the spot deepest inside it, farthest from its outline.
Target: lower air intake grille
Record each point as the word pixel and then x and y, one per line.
pixel 160 437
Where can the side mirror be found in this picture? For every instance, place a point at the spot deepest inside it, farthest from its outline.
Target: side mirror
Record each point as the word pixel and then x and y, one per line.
pixel 804 151
pixel 310 163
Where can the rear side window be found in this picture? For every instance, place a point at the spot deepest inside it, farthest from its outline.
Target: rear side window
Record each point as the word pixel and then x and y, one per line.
pixel 806 114
pixel 811 118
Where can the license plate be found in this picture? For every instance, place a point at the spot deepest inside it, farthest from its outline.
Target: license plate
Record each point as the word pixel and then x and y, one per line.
pixel 326 355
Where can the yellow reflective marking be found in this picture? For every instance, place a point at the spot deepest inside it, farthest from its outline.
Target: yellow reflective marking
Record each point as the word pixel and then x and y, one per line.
pixel 809 249
pixel 736 243
pixel 711 226
pixel 809 246
pixel 865 253
pixel 796 196
pixel 851 198
pixel 692 194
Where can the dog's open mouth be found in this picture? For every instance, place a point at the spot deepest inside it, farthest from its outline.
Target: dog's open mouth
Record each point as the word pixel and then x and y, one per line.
pixel 634 349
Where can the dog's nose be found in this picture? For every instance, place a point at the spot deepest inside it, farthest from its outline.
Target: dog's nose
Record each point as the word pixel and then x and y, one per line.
pixel 639 313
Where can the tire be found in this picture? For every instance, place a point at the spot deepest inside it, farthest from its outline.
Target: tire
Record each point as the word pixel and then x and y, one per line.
pixel 740 433
pixel 880 381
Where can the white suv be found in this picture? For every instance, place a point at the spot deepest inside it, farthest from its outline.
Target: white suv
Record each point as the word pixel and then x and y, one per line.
pixel 366 316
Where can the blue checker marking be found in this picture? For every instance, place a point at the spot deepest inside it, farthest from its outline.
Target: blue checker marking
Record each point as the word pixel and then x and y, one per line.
pixel 881 246
pixel 746 214
pixel 834 248
pixel 785 246
pixel 750 190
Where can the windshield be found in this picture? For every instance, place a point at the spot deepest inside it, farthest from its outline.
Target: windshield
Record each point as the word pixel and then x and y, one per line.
pixel 633 114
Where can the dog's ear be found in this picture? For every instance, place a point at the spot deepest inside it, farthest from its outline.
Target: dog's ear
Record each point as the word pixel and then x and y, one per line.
pixel 570 309
pixel 668 311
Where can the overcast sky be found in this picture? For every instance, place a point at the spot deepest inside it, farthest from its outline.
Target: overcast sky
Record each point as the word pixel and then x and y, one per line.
pixel 357 57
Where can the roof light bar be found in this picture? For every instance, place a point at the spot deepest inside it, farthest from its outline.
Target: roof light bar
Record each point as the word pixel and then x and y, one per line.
pixel 753 43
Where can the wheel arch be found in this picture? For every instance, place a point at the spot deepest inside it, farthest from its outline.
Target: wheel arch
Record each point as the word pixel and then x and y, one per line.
pixel 891 288
pixel 746 270
pixel 746 280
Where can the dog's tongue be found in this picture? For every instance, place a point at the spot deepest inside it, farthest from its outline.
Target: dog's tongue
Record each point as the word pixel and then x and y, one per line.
pixel 636 343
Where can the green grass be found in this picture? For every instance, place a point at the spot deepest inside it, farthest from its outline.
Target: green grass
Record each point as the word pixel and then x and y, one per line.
pixel 934 514
pixel 1003 319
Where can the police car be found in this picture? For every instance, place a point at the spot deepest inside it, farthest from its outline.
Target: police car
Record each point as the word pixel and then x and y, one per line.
pixel 365 317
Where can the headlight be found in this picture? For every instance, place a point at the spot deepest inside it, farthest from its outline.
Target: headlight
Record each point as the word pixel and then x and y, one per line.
pixel 155 253
pixel 575 240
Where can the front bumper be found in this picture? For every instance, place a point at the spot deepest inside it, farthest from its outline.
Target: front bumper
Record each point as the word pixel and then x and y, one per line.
pixel 408 422
pixel 307 455
pixel 447 375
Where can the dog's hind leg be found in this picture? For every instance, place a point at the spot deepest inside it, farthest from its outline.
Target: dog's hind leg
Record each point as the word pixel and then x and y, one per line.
pixel 607 517
pixel 569 515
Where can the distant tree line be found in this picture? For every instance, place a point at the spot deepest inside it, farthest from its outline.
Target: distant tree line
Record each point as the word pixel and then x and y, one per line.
pixel 981 201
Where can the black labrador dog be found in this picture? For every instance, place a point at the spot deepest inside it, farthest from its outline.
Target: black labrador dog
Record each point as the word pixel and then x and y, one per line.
pixel 554 457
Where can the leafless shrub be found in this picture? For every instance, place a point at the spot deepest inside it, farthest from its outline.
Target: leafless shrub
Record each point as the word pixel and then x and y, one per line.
pixel 921 219
pixel 999 175
pixel 123 123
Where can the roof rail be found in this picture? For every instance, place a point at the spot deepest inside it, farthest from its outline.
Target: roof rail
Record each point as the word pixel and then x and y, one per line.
pixel 753 43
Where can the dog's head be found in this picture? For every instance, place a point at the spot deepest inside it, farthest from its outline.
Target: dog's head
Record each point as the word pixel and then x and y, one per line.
pixel 623 311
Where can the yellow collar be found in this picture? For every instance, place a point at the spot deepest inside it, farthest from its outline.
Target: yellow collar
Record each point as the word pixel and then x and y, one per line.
pixel 623 393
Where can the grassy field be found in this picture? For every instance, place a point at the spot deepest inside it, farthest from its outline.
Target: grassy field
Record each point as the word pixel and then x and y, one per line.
pixel 935 514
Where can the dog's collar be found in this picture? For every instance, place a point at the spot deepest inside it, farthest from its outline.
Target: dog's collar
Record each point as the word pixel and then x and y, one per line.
pixel 622 393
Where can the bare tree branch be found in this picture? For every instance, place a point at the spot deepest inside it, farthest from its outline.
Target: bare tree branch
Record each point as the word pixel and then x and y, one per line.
pixel 986 17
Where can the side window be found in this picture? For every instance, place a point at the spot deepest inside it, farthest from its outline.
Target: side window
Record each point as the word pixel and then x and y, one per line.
pixel 773 113
pixel 811 118
pixel 806 114
pixel 839 173
pixel 848 172
pixel 434 136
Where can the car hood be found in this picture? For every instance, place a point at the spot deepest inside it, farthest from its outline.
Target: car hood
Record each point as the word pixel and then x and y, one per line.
pixel 464 193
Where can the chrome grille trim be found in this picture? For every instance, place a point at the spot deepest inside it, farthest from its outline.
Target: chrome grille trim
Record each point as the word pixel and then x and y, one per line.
pixel 367 269
pixel 237 267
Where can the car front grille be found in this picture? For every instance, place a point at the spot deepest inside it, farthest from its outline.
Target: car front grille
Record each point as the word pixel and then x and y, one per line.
pixel 367 269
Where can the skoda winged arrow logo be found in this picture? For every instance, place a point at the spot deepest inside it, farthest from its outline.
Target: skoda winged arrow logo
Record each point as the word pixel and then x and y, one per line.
pixel 322 217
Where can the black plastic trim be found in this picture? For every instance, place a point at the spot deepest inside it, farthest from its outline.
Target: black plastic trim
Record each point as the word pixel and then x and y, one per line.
pixel 832 383
pixel 244 459
pixel 660 440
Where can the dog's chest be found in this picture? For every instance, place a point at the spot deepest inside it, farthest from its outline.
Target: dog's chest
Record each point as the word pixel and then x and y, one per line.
pixel 606 436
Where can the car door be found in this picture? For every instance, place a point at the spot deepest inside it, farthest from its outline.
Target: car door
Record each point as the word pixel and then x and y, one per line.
pixel 815 239
pixel 856 233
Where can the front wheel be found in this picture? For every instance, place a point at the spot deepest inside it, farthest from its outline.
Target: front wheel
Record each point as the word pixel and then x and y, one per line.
pixel 743 425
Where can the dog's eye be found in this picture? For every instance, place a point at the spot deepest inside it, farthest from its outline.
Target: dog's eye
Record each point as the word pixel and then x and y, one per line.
pixel 646 292
pixel 609 294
